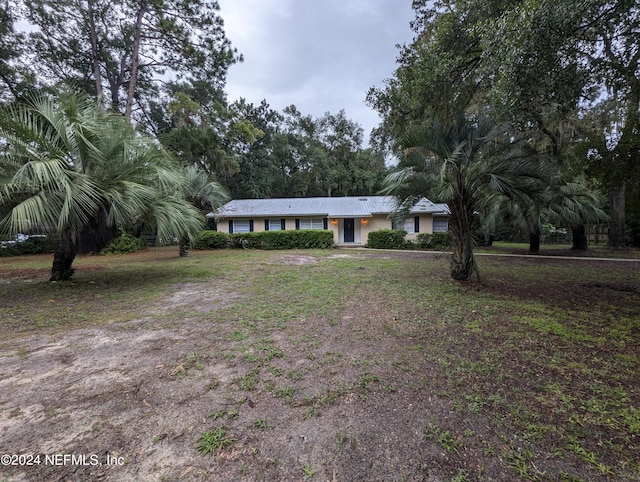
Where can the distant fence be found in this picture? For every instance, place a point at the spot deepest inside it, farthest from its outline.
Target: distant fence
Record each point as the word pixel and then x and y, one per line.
pixel 598 234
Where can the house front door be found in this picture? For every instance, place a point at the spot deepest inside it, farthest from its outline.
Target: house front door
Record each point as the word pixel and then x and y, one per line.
pixel 348 230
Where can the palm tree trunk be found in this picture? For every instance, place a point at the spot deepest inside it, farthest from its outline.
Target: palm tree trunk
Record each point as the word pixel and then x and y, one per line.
pixel 184 246
pixel 579 238
pixel 534 241
pixel 97 234
pixel 463 263
pixel 63 258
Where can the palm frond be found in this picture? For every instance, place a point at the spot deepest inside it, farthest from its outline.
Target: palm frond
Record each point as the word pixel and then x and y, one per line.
pixel 67 159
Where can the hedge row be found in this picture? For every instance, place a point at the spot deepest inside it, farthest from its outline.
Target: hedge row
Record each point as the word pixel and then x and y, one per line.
pixel 387 239
pixel 395 239
pixel 30 246
pixel 299 239
pixel 433 240
pixel 211 240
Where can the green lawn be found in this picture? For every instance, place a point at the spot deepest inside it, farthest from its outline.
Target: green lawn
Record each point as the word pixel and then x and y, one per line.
pixel 537 365
pixel 594 251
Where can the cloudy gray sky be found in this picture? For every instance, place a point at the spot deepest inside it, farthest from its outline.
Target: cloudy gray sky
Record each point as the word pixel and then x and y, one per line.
pixel 321 55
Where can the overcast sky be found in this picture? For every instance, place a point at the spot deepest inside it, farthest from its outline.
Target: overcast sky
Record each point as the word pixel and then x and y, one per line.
pixel 321 55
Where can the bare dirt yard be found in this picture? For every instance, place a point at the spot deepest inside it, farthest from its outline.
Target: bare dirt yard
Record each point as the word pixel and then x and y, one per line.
pixel 330 366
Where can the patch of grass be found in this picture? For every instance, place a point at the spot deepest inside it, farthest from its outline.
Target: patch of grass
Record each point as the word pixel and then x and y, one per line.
pixel 308 471
pixel 22 352
pixel 260 423
pixel 521 462
pixel 182 367
pixel 366 379
pixel 213 440
pixel 344 439
pixel 294 375
pixel 249 381
pixel 218 414
pixel 445 438
pixel 286 393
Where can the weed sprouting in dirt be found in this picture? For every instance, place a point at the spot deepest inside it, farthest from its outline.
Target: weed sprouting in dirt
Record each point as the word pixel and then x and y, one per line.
pixel 213 440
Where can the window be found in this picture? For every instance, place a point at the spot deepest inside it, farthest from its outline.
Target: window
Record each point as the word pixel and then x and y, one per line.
pixel 242 226
pixel 275 225
pixel 410 225
pixel 440 225
pixel 311 224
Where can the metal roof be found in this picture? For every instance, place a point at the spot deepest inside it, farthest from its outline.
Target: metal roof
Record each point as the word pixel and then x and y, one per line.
pixel 443 209
pixel 332 207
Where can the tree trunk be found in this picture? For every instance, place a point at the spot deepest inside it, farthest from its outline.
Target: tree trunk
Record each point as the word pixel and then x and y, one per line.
pixel 463 263
pixel 135 59
pixel 579 238
pixel 97 234
pixel 534 241
pixel 63 258
pixel 617 233
pixel 184 247
pixel 95 54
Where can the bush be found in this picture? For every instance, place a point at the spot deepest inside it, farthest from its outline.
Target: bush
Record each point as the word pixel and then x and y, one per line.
pixel 125 243
pixel 211 240
pixel 33 245
pixel 387 239
pixel 433 240
pixel 554 235
pixel 299 239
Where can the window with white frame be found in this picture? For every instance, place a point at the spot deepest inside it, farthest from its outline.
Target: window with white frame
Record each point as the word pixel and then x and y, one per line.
pixel 311 224
pixel 275 224
pixel 241 226
pixel 409 225
pixel 440 225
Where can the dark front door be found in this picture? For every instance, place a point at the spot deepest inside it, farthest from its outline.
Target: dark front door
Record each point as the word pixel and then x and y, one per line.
pixel 348 230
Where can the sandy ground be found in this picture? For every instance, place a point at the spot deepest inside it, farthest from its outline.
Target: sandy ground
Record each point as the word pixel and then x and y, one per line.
pixel 129 401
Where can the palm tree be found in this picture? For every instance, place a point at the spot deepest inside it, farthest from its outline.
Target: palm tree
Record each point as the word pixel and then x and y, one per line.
pixel 204 192
pixel 82 172
pixel 467 165
pixel 567 203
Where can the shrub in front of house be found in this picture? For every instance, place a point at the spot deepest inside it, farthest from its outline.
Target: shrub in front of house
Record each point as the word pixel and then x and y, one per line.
pixel 299 239
pixel 211 240
pixel 433 240
pixel 387 239
pixel 125 243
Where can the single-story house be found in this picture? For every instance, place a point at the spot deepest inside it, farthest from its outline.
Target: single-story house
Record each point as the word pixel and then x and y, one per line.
pixel 350 218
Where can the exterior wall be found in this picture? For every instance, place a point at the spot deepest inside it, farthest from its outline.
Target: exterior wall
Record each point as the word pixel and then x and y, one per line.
pixel 362 226
pixel 425 225
pixel 425 222
pixel 375 223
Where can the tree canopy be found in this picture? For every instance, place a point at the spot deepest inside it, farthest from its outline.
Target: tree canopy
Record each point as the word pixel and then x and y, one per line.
pixel 471 164
pixel 74 170
pixel 540 65
pixel 122 49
